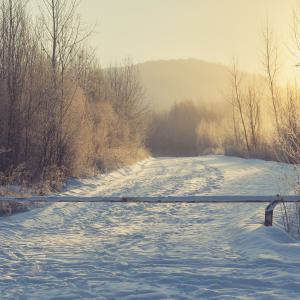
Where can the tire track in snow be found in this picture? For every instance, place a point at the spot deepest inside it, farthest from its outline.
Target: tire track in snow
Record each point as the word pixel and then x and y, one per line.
pixel 150 251
pixel 156 177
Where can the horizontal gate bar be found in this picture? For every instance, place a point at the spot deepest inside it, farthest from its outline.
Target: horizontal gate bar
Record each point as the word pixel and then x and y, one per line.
pixel 271 200
pixel 156 199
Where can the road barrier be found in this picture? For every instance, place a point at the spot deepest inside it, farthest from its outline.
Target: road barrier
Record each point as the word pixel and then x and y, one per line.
pixel 272 201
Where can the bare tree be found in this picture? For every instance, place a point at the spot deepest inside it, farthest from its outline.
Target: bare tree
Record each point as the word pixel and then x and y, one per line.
pixel 59 111
pixel 270 64
pixel 128 95
pixel 238 102
pixel 253 113
pixel 13 67
pixel 63 35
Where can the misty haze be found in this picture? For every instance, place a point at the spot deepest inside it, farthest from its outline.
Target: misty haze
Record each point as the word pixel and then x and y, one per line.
pixel 149 149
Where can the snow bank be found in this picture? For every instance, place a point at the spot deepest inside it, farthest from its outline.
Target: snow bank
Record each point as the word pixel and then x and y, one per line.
pixel 155 251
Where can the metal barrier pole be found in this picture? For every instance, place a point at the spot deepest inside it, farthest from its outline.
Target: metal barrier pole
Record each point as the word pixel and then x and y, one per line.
pixel 269 211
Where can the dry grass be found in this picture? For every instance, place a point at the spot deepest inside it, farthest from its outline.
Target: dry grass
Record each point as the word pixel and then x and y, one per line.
pixel 8 208
pixel 119 157
pixel 289 218
pixel 16 183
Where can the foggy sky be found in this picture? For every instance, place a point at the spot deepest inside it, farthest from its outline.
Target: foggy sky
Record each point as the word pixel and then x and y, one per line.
pixel 213 30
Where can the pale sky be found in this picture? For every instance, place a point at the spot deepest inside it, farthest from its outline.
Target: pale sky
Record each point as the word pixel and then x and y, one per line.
pixel 212 30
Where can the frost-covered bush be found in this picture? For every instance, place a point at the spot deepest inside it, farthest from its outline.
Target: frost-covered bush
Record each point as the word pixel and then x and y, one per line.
pixel 290 218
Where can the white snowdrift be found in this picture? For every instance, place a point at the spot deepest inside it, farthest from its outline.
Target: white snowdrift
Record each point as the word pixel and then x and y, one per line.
pixel 192 176
pixel 156 251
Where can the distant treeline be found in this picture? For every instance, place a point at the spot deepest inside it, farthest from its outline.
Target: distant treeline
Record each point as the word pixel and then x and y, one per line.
pixel 184 130
pixel 258 118
pixel 60 113
pixel 244 124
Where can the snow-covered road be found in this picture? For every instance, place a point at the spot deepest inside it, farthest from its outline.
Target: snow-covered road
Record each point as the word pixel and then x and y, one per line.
pixel 155 251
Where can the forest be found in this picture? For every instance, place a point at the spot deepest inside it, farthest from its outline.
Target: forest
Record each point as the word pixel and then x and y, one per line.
pixel 152 155
pixel 62 115
pixel 257 118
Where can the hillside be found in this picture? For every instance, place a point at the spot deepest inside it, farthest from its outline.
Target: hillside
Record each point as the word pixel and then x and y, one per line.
pixel 168 81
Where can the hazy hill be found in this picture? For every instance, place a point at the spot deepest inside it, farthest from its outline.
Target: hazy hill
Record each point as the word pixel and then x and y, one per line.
pixel 168 81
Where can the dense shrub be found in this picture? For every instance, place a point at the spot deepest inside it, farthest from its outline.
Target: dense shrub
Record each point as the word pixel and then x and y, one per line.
pixel 62 115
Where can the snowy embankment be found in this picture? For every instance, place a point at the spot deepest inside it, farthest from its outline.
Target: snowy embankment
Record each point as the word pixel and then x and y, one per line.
pixel 156 251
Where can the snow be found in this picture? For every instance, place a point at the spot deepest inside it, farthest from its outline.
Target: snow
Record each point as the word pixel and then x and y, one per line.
pixel 156 251
pixel 191 176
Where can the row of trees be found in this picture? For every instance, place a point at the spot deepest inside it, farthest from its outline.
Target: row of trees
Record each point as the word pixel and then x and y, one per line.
pixel 265 113
pixel 61 113
pixel 187 129
pixel 258 117
pixel 58 109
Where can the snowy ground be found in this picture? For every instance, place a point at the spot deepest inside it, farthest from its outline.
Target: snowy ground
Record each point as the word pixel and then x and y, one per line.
pixel 155 251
